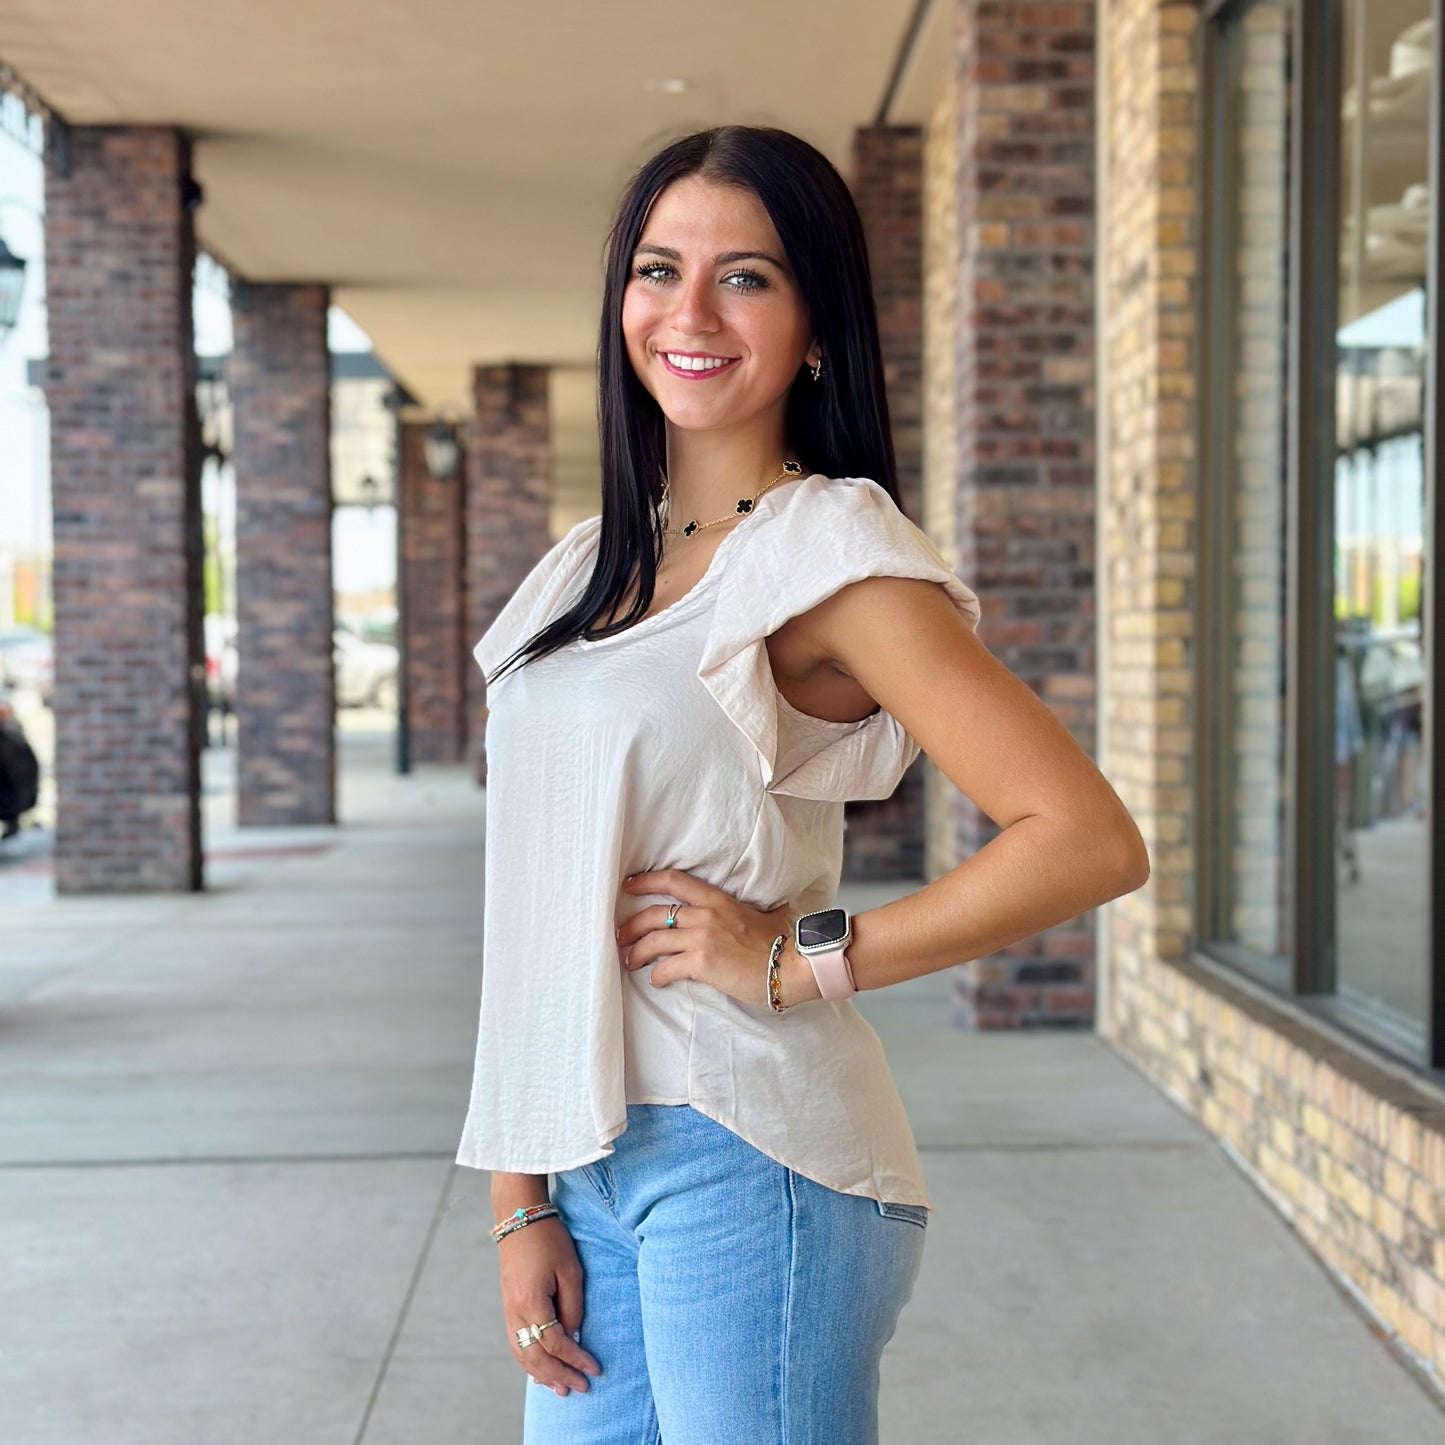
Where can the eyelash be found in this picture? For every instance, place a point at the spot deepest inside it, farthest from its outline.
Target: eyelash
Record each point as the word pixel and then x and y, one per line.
pixel 761 282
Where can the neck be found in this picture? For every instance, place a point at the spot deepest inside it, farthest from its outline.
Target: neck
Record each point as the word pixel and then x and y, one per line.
pixel 708 472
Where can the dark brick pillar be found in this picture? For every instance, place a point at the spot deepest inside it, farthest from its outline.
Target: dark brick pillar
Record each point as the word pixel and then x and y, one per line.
pixel 1025 496
pixel 885 839
pixel 124 457
pixel 280 382
pixel 433 537
pixel 509 488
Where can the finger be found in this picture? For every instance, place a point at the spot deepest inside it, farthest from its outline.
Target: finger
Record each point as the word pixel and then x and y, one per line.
pixel 570 1298
pixel 569 1356
pixel 653 946
pixel 652 919
pixel 539 1361
pixel 673 967
pixel 673 881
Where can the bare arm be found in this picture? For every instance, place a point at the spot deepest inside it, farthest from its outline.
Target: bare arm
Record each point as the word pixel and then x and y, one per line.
pixel 1068 843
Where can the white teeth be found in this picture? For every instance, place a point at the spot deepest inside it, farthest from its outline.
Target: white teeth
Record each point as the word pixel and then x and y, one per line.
pixel 695 363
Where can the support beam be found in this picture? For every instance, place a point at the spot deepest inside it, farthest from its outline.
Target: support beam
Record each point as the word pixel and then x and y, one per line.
pixel 509 489
pixel 280 380
pixel 125 467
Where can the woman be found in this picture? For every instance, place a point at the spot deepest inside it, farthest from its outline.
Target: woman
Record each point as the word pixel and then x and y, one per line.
pixel 683 694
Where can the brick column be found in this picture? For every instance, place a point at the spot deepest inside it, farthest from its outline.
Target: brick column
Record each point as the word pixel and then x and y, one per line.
pixel 280 381
pixel 509 486
pixel 1022 405
pixel 885 839
pixel 433 538
pixel 1156 240
pixel 125 464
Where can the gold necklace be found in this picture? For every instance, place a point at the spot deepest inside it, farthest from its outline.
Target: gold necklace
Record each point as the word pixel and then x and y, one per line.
pixel 744 506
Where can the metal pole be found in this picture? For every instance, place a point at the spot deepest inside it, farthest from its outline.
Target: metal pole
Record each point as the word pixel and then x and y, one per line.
pixel 403 721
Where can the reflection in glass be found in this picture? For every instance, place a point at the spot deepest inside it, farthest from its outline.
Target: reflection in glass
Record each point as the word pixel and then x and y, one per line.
pixel 1251 390
pixel 1380 557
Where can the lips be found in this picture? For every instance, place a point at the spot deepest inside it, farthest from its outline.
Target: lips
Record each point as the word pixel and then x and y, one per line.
pixel 699 373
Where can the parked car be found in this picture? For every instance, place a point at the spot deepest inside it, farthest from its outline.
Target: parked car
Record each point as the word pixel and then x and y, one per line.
pixel 27 659
pixel 19 772
pixel 220 661
pixel 366 672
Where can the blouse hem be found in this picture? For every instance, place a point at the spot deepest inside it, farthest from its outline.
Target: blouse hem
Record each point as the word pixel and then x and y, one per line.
pixel 876 1192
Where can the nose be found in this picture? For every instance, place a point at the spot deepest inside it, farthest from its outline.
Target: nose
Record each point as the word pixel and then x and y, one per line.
pixel 694 311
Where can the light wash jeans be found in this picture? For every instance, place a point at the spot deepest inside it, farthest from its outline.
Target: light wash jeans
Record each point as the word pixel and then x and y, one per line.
pixel 728 1299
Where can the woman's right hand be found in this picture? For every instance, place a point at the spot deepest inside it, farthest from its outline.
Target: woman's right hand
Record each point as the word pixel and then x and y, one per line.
pixel 542 1277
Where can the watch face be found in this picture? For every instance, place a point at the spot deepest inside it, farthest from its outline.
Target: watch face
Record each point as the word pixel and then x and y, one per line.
pixel 828 925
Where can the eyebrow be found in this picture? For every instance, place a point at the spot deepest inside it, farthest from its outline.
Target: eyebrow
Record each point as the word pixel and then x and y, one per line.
pixel 723 258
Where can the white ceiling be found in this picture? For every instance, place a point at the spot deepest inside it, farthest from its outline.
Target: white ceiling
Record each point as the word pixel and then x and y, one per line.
pixel 450 166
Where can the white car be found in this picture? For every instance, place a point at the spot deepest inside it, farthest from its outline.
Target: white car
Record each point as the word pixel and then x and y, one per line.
pixel 27 659
pixel 365 671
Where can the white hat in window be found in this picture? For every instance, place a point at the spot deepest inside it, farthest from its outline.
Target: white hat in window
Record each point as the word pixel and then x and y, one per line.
pixel 1401 99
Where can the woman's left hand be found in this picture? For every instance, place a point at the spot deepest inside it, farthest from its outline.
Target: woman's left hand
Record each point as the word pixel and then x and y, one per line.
pixel 716 940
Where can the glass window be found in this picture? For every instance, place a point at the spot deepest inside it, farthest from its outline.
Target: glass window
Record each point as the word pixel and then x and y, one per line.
pixel 1315 816
pixel 1381 822
pixel 1250 395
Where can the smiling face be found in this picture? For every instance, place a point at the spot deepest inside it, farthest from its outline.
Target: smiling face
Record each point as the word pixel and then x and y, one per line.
pixel 715 326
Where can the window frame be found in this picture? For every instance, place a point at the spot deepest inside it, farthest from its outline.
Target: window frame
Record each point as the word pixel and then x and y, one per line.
pixel 1307 972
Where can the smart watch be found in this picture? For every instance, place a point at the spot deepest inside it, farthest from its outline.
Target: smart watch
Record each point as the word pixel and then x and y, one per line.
pixel 821 938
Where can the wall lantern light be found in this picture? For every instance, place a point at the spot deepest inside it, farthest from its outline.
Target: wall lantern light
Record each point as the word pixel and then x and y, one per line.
pixel 443 450
pixel 12 283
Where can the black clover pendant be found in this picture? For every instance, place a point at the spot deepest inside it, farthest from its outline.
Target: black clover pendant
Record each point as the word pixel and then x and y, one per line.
pixel 688 530
pixel 795 468
pixel 745 505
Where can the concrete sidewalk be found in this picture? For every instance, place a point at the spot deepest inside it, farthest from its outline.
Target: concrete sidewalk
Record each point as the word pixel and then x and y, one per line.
pixel 229 1213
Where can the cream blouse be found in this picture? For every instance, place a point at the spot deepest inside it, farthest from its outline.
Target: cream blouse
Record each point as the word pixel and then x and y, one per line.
pixel 669 745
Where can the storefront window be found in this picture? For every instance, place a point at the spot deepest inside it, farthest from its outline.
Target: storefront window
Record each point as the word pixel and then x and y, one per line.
pixel 1317 834
pixel 1251 395
pixel 1381 823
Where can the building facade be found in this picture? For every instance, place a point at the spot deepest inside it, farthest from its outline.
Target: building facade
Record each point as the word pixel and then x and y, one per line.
pixel 1269 381
pixel 1159 291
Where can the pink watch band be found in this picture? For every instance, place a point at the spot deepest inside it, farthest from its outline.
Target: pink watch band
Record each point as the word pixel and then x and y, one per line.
pixel 833 972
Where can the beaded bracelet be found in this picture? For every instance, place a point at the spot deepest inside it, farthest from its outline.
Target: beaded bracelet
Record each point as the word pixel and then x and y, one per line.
pixel 775 987
pixel 520 1219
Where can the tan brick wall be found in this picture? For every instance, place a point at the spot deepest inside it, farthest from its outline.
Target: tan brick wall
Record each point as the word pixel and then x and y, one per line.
pixel 1350 1150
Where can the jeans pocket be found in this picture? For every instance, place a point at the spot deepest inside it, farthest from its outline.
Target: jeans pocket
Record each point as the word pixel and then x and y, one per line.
pixel 596 1175
pixel 914 1213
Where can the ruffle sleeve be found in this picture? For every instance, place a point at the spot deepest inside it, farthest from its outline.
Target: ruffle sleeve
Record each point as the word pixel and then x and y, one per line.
pixel 536 600
pixel 829 532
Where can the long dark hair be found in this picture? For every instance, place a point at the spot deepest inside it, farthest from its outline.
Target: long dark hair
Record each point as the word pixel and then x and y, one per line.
pixel 839 426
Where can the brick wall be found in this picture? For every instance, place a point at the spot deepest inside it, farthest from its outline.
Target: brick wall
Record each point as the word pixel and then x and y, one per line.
pixel 433 534
pixel 279 377
pixel 509 486
pixel 125 472
pixel 942 265
pixel 1020 165
pixel 1351 1151
pixel 884 839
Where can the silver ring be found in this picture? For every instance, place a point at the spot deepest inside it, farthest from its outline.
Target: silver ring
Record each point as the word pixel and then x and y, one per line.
pixel 672 909
pixel 531 1334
